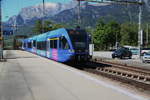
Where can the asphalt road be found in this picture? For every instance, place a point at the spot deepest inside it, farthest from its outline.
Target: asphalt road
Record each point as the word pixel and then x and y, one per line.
pixel 29 77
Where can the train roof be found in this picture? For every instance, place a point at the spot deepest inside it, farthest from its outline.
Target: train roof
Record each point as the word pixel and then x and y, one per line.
pixel 42 37
pixel 55 33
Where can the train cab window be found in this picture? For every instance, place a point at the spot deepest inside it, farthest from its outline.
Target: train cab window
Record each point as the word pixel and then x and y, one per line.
pixel 63 43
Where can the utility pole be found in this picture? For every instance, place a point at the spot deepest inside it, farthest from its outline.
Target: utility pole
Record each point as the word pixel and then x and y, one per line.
pixel 140 32
pixel 1 33
pixel 43 16
pixel 14 30
pixel 79 16
pixel 147 35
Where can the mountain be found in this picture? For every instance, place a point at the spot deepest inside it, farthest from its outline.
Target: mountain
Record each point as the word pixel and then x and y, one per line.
pixel 67 13
pixel 91 13
pixel 29 14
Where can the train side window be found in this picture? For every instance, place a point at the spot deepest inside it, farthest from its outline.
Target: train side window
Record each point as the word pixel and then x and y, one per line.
pixel 63 43
pixel 34 43
pixel 38 45
pixel 24 45
pixel 43 45
pixel 51 43
pixel 29 45
pixel 55 44
pixel 44 42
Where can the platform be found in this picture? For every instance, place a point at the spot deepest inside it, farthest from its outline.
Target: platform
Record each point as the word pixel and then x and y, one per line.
pixel 29 77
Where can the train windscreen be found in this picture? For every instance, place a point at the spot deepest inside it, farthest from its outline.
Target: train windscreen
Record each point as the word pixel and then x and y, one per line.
pixel 78 38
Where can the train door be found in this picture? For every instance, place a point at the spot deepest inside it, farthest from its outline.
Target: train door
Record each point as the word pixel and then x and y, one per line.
pixel 48 48
pixel 52 51
pixel 34 46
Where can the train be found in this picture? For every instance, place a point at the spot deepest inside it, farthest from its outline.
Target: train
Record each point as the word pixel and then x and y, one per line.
pixel 62 45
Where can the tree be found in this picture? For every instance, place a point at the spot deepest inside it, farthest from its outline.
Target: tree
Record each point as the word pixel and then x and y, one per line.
pixel 129 34
pixel 48 26
pixel 112 29
pixel 105 35
pixel 98 35
pixel 38 27
pixel 56 26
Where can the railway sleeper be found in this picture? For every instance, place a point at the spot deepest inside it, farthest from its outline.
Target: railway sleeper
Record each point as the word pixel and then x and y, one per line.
pixel 126 75
pixel 134 79
pixel 130 80
pixel 122 66
pixel 122 74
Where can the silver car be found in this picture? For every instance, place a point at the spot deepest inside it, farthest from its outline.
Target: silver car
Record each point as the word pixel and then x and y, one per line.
pixel 146 57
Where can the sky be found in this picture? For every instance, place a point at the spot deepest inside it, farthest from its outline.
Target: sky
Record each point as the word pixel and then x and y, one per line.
pixel 13 7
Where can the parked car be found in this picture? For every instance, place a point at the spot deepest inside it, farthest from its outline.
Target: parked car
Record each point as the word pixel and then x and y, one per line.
pixel 121 53
pixel 135 51
pixel 145 50
pixel 146 57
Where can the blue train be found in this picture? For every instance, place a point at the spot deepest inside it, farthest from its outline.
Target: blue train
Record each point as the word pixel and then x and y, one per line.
pixel 61 45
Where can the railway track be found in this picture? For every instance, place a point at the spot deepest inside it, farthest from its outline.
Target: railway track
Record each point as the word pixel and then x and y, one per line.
pixel 136 80
pixel 138 77
pixel 123 66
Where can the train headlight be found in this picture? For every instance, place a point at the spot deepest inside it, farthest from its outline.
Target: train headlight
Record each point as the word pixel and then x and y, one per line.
pixel 72 51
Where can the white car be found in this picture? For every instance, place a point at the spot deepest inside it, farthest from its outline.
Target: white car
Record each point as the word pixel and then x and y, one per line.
pixel 146 57
pixel 145 50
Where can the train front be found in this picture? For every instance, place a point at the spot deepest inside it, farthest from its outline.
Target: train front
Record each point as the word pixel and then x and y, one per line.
pixel 80 42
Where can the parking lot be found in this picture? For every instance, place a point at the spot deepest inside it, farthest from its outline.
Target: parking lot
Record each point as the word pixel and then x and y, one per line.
pixel 135 61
